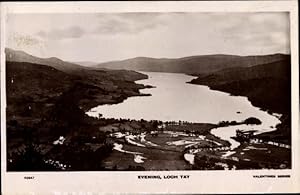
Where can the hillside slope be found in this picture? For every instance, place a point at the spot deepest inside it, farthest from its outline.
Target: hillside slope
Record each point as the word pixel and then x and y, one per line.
pixel 85 63
pixel 34 84
pixel 30 84
pixel 192 64
pixel 21 56
pixel 267 85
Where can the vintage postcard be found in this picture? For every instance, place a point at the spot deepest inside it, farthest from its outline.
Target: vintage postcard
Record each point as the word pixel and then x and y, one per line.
pixel 149 97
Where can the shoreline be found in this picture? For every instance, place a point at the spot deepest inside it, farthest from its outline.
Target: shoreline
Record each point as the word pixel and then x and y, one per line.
pixel 94 131
pixel 142 86
pixel 277 132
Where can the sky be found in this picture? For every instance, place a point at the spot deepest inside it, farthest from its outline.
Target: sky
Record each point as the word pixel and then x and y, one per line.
pixel 101 37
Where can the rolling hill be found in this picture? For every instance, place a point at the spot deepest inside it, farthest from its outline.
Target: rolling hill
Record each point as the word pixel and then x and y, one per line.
pixel 21 56
pixel 37 87
pixel 49 100
pixel 86 63
pixel 267 85
pixel 191 65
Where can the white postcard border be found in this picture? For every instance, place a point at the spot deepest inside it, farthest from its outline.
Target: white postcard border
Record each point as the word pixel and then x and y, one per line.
pixel 241 181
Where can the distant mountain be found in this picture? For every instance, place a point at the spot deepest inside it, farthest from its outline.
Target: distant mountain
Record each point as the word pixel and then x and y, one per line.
pixel 191 65
pixel 21 56
pixel 278 69
pixel 86 63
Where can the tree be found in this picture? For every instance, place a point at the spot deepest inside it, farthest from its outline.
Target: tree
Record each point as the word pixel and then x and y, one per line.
pixel 252 120
pixel 30 160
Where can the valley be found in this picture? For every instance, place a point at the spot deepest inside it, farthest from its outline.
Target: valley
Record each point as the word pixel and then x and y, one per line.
pixel 51 126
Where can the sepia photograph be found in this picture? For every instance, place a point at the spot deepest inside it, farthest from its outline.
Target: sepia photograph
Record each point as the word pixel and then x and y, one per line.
pixel 148 91
pixel 144 92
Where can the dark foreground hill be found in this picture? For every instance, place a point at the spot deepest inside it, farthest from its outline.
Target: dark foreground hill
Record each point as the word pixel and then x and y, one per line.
pixel 47 98
pixel 44 102
pixel 35 86
pixel 191 65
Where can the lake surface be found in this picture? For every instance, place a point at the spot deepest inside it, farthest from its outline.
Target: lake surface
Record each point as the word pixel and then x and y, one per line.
pixel 173 99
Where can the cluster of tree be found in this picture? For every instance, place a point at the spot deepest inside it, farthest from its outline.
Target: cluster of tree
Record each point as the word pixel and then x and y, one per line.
pixel 30 159
pixel 227 123
pixel 248 121
pixel 252 121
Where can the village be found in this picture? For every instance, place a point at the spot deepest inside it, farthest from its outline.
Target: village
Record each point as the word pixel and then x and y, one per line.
pixel 190 144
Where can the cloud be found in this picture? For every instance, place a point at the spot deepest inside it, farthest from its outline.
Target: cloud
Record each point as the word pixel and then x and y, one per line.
pixel 58 34
pixel 156 34
pixel 259 30
pixel 23 40
pixel 257 23
pixel 127 23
